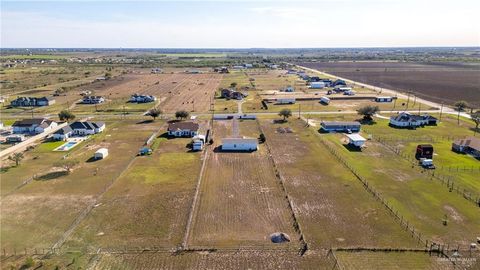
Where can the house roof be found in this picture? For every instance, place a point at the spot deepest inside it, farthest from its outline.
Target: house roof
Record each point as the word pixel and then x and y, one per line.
pixel 86 125
pixel 355 137
pixel 64 130
pixel 338 123
pixel 31 122
pixel 183 126
pixel 471 142
pixel 407 117
pixel 239 140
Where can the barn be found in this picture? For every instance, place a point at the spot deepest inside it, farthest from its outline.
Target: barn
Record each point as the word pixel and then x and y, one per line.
pixel 239 144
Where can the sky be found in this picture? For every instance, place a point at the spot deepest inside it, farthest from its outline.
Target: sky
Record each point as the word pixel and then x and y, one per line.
pixel 239 24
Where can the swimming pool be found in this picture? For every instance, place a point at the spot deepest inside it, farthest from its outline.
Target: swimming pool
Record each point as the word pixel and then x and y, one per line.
pixel 66 146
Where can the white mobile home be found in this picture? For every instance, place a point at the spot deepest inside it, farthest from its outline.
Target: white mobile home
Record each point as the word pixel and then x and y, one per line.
pixel 285 100
pixel 317 85
pixel 239 144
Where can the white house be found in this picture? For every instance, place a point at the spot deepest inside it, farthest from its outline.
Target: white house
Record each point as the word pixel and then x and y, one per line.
pixel 239 144
pixel 317 85
pixel 198 142
pixel 33 126
pixel 183 129
pixel 356 139
pixel 101 153
pixel 405 119
pixel 78 129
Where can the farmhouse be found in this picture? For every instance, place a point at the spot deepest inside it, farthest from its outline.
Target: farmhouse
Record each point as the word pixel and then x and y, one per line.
pixel 137 98
pixel 33 126
pixel 79 129
pixel 339 83
pixel 383 99
pixel 183 129
pixel 356 140
pixel 32 102
pixel 470 145
pixel 406 119
pixel 334 126
pixel 239 144
pixel 93 99
pixel 232 94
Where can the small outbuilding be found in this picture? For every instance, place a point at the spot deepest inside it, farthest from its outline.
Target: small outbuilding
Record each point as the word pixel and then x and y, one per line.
pixel 383 99
pixel 424 151
pixel 101 153
pixel 356 140
pixel 317 85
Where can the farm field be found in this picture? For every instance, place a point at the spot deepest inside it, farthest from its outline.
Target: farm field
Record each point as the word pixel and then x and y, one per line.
pixel 148 205
pixel 333 208
pixel 37 214
pixel 447 82
pixel 241 202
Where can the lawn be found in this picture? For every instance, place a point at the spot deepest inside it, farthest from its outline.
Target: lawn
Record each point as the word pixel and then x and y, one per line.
pixel 148 205
pixel 37 214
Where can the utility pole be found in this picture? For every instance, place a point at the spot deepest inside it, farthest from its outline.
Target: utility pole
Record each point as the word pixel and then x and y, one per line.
pixel 299 110
pixel 414 100
pixel 124 113
pixel 419 107
pixel 32 113
pixel 441 109
pixel 408 99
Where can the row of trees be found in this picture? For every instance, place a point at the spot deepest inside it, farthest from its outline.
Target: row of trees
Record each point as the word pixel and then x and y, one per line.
pixel 154 113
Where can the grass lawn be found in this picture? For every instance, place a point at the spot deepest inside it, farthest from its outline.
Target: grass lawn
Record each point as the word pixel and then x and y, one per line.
pixel 37 214
pixel 421 201
pixel 149 204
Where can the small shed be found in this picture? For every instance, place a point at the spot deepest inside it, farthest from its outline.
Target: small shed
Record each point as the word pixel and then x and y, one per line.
pixel 384 99
pixel 356 140
pixel 101 153
pixel 145 151
pixel 424 151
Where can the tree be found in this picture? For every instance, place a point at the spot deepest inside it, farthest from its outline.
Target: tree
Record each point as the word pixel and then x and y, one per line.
pixel 233 85
pixel 368 111
pixel 154 113
pixel 285 113
pixel 66 115
pixel 66 164
pixel 262 138
pixel 476 119
pixel 108 76
pixel 182 114
pixel 460 106
pixel 17 157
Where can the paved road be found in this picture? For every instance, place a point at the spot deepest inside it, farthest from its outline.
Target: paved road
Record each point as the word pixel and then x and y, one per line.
pixel 23 145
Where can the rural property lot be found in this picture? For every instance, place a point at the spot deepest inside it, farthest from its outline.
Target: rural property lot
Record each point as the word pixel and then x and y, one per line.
pixel 447 82
pixel 38 214
pixel 332 206
pixel 420 200
pixel 241 201
pixel 148 205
